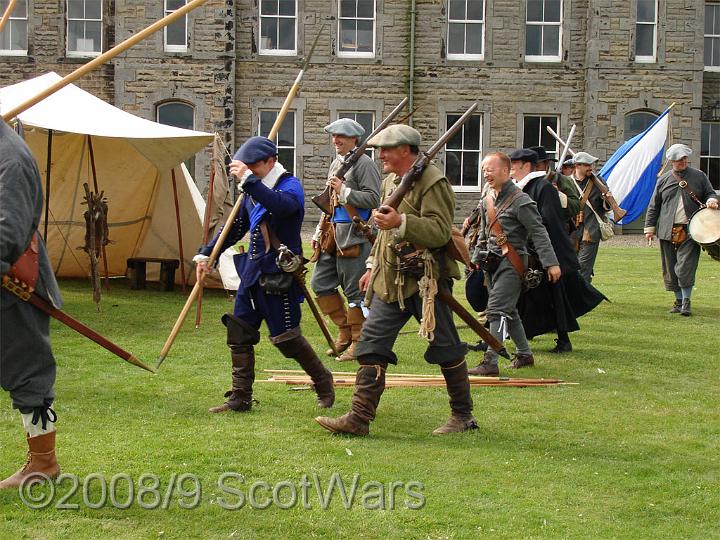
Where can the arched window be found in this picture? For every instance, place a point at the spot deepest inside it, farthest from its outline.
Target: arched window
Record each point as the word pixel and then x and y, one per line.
pixel 178 114
pixel 638 121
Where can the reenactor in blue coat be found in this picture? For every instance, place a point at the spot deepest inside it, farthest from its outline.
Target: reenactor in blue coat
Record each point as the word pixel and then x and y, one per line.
pixel 272 213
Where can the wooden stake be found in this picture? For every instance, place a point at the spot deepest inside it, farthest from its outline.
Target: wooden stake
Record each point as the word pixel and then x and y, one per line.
pixel 183 278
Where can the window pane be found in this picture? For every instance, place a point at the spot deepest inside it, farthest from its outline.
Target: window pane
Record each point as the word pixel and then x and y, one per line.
pixel 452 167
pixel 20 8
pixel 75 9
pixel 455 141
pixel 287 7
pixel 93 9
pixel 365 36
pixel 531 131
pixel 286 135
pixel 475 10
pixel 474 39
pixel 176 114
pixel 267 119
pixel 644 34
pixel 366 121
pixel 470 168
pixel 19 35
pixel 347 8
pixel 646 11
pixel 348 36
pixel 707 54
pixel 286 34
pixel 533 37
pixel 551 41
pixel 365 8
pixel 535 10
pixel 547 141
pixel 637 122
pixel 472 133
pixel 176 32
pixel 268 7
pixel 456 38
pixel 172 5
pixel 705 139
pixel 552 11
pixel 456 9
pixel 716 19
pixel 268 33
pixel 715 139
pixel 286 157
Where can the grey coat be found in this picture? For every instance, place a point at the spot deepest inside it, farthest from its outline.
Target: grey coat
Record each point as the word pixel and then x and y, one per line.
pixel 364 181
pixel 590 222
pixel 663 204
pixel 520 221
pixel 21 203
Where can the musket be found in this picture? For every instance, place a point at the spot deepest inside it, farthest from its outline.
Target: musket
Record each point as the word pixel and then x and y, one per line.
pixel 322 201
pixel 103 58
pixel 396 197
pixel 43 305
pixel 618 213
pixel 292 263
pixel 235 209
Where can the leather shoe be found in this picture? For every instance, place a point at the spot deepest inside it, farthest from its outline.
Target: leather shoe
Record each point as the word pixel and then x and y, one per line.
pixel 561 347
pixel 522 360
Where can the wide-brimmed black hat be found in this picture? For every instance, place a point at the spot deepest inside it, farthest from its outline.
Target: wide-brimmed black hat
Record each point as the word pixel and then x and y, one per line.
pixel 475 291
pixel 542 154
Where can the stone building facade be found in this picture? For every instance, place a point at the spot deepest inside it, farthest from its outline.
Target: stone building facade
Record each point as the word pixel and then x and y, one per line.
pixel 607 66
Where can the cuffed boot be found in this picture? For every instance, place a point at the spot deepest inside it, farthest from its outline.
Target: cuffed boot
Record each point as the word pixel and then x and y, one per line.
pixel 41 462
pixel 369 386
pixel 458 388
pixel 486 368
pixel 240 338
pixel 333 306
pixel 356 319
pixel 685 308
pixel 676 307
pixel 292 344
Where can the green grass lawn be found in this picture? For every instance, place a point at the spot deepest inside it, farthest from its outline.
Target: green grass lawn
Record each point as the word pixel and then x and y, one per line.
pixel 631 452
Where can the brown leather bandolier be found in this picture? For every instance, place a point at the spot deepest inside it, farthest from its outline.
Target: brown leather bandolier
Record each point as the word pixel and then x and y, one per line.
pixel 508 250
pixel 26 270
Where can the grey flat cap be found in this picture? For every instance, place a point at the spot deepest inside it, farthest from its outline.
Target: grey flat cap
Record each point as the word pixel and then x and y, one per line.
pixel 584 158
pixel 678 151
pixel 345 126
pixel 396 135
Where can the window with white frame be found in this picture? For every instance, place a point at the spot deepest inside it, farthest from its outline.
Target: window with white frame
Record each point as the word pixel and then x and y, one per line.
pixel 178 114
pixel 285 138
pixel 712 36
pixel 466 29
pixel 710 152
pixel 535 133
pixel 543 31
pixel 463 153
pixel 278 27
pixel 84 27
pixel 646 31
pixel 366 120
pixel 14 37
pixel 175 34
pixel 356 28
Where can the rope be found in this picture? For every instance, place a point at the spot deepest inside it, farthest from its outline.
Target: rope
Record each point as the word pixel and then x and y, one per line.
pixel 428 290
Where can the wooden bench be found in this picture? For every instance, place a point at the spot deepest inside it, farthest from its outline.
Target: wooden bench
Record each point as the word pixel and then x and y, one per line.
pixel 136 267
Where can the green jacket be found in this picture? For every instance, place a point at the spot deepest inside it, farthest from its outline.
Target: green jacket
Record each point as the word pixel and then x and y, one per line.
pixel 565 185
pixel 429 210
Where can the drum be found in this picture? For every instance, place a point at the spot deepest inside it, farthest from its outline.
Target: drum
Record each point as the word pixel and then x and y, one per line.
pixel 704 228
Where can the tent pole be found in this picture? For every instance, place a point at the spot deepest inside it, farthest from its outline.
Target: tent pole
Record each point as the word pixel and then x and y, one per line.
pixel 206 234
pixel 47 182
pixel 95 185
pixel 6 15
pixel 179 230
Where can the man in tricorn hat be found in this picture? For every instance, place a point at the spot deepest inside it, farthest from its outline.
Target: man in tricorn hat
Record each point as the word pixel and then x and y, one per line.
pixel 422 222
pixel 272 212
pixel 341 262
pixel 677 196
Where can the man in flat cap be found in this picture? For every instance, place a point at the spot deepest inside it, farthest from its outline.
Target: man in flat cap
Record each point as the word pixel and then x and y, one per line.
pixel 552 307
pixel 272 212
pixel 678 195
pixel 422 222
pixel 569 198
pixel 509 219
pixel 27 364
pixel 341 263
pixel 587 232
pixel 567 169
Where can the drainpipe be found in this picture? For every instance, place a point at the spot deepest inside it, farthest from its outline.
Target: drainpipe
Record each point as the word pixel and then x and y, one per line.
pixel 411 68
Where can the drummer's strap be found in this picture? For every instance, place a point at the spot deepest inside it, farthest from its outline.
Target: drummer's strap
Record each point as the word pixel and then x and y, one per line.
pixel 684 185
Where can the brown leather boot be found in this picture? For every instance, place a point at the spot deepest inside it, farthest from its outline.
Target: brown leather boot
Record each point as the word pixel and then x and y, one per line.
pixel 486 368
pixel 294 345
pixel 240 337
pixel 333 306
pixel 369 386
pixel 522 360
pixel 356 319
pixel 40 461
pixel 458 388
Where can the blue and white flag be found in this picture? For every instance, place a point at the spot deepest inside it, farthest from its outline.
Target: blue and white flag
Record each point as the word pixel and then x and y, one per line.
pixel 631 172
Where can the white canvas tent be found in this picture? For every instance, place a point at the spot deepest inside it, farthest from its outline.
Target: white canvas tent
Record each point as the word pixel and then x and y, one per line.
pixel 134 159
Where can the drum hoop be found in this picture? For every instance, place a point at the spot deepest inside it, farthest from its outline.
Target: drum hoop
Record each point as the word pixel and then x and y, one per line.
pixel 695 217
